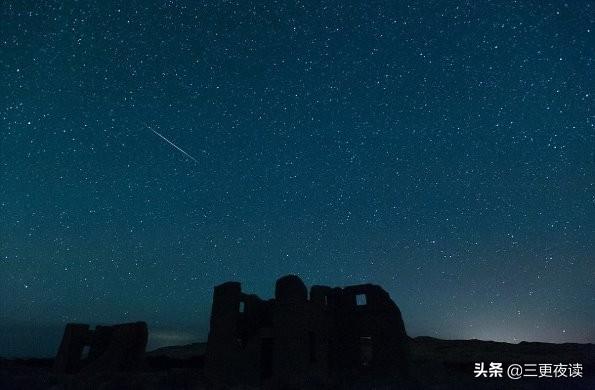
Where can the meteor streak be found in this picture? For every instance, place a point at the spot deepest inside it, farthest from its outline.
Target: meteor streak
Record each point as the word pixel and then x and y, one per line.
pixel 172 144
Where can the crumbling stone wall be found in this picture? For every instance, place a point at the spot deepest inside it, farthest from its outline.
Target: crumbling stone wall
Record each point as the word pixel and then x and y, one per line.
pixel 369 336
pixel 111 348
pixel 296 341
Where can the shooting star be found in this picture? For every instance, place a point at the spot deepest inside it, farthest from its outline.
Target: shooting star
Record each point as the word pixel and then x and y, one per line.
pixel 172 144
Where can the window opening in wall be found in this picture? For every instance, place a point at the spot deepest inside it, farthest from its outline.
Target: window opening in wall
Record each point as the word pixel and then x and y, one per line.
pixel 361 300
pixel 266 357
pixel 366 350
pixel 312 346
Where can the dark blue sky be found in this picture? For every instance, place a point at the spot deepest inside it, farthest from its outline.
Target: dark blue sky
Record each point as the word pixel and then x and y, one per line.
pixel 442 149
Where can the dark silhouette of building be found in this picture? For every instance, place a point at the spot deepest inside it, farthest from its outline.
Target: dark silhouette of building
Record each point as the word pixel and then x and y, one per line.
pixel 332 336
pixel 107 348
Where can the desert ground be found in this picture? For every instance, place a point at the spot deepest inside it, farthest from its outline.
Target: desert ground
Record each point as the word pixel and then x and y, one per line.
pixel 435 364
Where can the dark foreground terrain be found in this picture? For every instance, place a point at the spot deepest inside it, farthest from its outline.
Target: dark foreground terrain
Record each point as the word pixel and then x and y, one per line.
pixel 435 364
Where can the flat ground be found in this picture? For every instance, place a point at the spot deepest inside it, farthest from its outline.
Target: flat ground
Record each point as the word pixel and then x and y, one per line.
pixel 435 364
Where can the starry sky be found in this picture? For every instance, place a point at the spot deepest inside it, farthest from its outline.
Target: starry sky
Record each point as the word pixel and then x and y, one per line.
pixel 441 149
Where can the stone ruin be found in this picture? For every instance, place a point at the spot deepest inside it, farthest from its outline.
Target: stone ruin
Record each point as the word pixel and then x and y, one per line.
pixel 333 336
pixel 105 349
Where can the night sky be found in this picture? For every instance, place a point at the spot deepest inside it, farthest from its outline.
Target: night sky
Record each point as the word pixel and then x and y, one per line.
pixel 441 149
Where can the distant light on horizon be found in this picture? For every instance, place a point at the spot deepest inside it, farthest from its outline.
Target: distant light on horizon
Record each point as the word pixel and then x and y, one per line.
pixel 163 338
